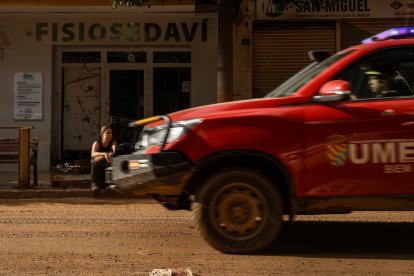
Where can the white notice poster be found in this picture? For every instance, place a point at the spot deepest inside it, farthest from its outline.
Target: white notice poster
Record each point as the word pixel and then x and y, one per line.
pixel 28 90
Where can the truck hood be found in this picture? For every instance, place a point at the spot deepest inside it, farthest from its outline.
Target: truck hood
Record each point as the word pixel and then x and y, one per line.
pixel 233 108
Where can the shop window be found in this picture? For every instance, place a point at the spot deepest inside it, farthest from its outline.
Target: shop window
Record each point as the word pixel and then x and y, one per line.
pixel 172 89
pixel 172 57
pixel 127 57
pixel 81 57
pixel 127 94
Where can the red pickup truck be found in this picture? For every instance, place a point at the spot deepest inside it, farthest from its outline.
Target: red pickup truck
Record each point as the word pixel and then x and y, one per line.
pixel 336 137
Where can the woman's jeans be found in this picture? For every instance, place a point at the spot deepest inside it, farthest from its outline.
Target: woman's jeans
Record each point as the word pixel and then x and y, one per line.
pixel 98 166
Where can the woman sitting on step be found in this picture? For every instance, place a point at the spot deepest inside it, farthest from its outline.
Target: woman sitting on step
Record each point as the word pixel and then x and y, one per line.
pixel 101 153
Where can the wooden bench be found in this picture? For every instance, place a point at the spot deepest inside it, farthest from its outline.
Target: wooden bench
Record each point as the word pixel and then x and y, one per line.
pixel 9 153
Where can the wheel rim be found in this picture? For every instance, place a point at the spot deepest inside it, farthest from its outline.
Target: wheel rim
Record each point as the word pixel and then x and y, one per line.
pixel 238 210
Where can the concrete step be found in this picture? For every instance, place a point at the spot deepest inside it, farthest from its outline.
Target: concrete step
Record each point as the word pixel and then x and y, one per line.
pixel 71 176
pixel 66 181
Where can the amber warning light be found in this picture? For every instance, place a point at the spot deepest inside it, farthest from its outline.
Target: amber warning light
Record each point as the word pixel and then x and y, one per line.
pixel 137 164
pixel 134 165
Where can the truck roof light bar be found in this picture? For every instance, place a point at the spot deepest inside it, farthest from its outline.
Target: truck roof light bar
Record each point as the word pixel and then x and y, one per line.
pixel 394 33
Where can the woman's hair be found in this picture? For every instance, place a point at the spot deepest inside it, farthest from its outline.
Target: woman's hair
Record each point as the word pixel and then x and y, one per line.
pixel 103 129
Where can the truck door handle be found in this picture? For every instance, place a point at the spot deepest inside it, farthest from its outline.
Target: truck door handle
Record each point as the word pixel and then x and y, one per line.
pixel 387 112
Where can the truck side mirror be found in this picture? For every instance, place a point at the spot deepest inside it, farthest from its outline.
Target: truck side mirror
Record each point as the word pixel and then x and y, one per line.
pixel 318 55
pixel 334 91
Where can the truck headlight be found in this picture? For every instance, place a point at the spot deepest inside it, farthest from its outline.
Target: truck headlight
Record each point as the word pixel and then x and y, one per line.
pixel 156 135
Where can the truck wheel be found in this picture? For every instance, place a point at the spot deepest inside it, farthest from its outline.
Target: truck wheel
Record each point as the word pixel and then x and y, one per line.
pixel 239 211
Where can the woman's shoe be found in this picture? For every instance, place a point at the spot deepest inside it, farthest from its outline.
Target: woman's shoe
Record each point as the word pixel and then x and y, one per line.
pixel 111 187
pixel 94 188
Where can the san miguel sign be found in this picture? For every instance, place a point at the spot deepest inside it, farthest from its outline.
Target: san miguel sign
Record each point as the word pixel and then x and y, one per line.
pixel 332 9
pixel 122 32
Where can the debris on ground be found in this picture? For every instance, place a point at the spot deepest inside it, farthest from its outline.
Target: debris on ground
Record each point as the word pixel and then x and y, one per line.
pixel 171 272
pixel 67 168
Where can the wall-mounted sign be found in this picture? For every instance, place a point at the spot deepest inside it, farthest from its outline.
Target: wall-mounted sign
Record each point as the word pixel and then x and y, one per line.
pixel 333 9
pixel 186 87
pixel 143 32
pixel 28 90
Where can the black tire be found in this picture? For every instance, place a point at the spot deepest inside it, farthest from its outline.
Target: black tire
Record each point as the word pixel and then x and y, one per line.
pixel 239 211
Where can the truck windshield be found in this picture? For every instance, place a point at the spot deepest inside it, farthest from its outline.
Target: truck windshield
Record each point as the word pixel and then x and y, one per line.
pixel 294 83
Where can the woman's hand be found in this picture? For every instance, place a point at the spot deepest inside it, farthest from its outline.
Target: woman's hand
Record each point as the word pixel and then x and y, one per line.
pixel 108 157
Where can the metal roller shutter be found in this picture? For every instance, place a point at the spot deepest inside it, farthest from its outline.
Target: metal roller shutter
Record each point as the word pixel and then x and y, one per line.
pixel 353 31
pixel 280 50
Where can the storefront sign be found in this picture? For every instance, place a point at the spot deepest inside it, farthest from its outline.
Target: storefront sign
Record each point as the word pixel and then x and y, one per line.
pixel 128 32
pixel 28 90
pixel 332 9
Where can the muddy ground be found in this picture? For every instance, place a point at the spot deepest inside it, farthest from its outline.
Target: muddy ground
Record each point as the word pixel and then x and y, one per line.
pixel 127 237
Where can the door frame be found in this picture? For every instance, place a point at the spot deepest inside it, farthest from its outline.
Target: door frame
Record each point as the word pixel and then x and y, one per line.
pixel 57 96
pixel 147 83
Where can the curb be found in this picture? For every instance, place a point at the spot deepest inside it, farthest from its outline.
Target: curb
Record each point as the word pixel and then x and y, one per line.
pixel 60 193
pixel 28 194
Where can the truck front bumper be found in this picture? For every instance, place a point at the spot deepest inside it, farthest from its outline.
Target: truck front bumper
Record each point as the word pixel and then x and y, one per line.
pixel 158 175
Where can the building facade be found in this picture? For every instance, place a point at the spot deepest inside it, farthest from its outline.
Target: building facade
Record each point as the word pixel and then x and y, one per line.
pixel 68 70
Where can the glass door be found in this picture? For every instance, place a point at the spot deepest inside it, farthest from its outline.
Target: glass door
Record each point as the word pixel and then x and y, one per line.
pixel 126 94
pixel 172 89
pixel 126 101
pixel 171 81
pixel 81 110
